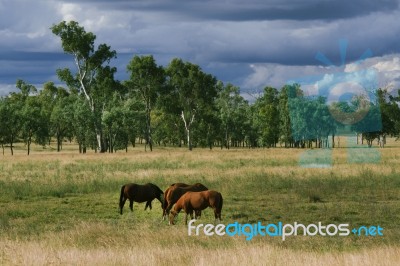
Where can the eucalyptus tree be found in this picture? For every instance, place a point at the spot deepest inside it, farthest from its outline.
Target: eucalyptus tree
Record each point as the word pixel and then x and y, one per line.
pixel 134 119
pixel 390 114
pixel 3 123
pixel 232 113
pixel 83 123
pixel 34 123
pixel 267 117
pixel 168 128
pixel 190 93
pixel 146 80
pixel 10 120
pixel 120 122
pixel 61 118
pixel 285 131
pixel 33 120
pixel 113 121
pixel 53 100
pixel 91 69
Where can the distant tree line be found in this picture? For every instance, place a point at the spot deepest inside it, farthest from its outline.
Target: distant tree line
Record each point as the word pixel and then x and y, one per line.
pixel 174 105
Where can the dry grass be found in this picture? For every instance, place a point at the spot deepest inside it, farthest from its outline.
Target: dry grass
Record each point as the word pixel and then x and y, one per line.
pixel 148 252
pixel 97 235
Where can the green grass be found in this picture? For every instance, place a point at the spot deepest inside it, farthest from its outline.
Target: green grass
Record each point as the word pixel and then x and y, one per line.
pixel 57 193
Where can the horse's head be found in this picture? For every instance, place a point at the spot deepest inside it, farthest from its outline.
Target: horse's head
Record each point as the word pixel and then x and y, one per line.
pixel 172 215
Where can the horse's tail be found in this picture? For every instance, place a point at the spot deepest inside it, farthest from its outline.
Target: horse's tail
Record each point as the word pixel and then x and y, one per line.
pixel 220 203
pixel 164 197
pixel 121 198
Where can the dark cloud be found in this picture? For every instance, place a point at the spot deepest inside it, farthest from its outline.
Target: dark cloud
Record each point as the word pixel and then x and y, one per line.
pixel 279 38
pixel 235 10
pixel 34 56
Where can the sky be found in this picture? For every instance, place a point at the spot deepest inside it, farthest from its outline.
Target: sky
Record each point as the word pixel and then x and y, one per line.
pixel 251 44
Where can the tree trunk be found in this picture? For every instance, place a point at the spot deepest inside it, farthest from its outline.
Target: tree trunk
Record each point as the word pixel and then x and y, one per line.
pixel 188 139
pixel 58 142
pixel 11 145
pixel 99 142
pixel 29 145
pixel 226 138
pixel 187 127
pixel 149 139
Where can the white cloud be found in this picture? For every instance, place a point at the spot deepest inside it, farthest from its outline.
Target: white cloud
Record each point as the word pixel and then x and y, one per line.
pixel 387 69
pixel 390 64
pixel 6 89
pixel 68 11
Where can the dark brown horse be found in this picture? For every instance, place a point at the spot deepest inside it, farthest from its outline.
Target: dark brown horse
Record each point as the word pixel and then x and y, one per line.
pixel 139 193
pixel 175 192
pixel 166 192
pixel 198 201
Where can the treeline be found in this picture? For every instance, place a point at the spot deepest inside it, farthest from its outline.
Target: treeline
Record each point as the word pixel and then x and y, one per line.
pixel 174 105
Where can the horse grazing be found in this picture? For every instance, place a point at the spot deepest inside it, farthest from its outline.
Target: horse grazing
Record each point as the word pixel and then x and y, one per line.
pixel 166 192
pixel 198 201
pixel 175 192
pixel 139 193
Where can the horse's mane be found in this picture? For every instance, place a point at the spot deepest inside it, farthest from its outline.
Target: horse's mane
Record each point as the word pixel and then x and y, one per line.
pixel 156 187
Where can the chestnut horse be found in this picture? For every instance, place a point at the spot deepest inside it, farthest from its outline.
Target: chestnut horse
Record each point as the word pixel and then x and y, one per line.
pixel 139 193
pixel 166 192
pixel 173 193
pixel 198 201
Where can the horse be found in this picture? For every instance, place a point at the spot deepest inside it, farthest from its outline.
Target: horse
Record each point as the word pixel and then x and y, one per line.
pixel 175 192
pixel 140 193
pixel 198 201
pixel 166 192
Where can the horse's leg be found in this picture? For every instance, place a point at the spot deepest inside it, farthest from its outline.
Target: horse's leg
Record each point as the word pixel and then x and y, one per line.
pixel 131 204
pixel 164 214
pixel 122 205
pixel 217 214
pixel 148 204
pixel 191 215
pixel 169 207
pixel 197 214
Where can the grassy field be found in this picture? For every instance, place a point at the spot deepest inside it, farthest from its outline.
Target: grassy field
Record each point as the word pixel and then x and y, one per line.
pixel 62 208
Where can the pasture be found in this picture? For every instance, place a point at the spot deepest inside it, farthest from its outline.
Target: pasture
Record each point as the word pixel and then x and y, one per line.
pixel 62 208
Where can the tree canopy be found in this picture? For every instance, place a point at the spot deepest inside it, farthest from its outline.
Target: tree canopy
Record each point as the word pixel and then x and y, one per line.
pixel 178 105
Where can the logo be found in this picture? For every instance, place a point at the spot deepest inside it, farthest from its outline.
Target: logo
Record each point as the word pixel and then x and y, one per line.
pixel 341 103
pixel 249 231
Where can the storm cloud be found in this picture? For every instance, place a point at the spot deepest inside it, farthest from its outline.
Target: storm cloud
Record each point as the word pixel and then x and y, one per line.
pixel 249 43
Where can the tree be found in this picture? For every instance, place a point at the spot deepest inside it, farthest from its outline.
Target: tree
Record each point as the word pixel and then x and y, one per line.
pixel 34 125
pixel 232 114
pixel 121 122
pixel 10 120
pixel 83 123
pixel 92 76
pixel 267 118
pixel 57 109
pixel 190 91
pixel 285 131
pixel 146 79
pixel 3 123
pixel 61 118
pixel 390 114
